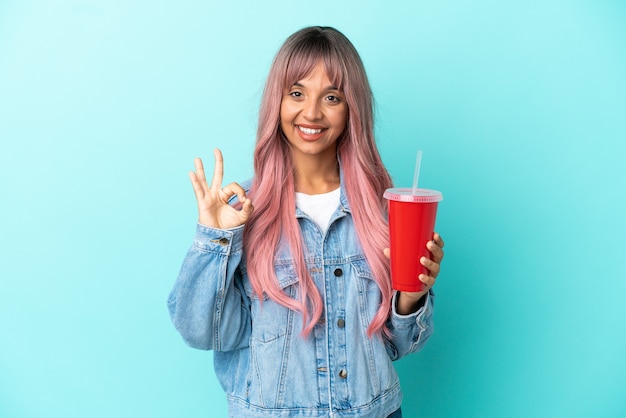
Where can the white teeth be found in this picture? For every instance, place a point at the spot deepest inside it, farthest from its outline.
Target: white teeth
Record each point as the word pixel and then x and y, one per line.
pixel 309 131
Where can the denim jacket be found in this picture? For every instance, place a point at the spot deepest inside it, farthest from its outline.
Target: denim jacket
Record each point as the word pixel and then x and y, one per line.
pixel 264 364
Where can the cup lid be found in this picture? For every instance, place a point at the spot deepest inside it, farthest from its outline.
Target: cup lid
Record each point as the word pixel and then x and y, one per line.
pixel 407 195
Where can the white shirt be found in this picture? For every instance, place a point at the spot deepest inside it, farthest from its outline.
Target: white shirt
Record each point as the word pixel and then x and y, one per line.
pixel 320 207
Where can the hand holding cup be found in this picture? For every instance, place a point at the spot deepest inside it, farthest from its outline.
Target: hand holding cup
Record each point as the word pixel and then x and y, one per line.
pixel 407 301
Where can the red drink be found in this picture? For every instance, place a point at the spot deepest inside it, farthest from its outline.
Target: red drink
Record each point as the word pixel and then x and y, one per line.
pixel 411 226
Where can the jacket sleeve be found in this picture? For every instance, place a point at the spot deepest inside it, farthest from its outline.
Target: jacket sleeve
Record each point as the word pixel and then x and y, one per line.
pixel 410 332
pixel 207 304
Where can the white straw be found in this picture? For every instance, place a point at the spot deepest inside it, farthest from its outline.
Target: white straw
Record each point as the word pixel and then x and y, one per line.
pixel 416 176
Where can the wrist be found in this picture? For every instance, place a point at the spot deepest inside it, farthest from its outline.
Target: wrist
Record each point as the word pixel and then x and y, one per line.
pixel 409 302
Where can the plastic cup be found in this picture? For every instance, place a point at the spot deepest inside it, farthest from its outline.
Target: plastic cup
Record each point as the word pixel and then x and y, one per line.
pixel 412 214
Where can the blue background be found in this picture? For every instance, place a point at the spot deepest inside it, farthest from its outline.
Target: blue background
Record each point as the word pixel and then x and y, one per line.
pixel 519 107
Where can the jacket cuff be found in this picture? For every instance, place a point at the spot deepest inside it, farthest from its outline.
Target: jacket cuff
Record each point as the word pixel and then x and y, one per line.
pixel 223 241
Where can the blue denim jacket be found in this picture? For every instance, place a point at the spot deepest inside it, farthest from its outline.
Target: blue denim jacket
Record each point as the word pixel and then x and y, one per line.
pixel 264 365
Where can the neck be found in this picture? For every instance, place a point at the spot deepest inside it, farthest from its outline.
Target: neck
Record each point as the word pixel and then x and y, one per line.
pixel 314 175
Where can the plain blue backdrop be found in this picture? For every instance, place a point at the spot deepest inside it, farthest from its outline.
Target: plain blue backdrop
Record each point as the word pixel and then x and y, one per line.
pixel 519 107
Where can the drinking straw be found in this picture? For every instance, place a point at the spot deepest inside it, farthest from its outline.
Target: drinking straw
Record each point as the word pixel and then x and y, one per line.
pixel 416 176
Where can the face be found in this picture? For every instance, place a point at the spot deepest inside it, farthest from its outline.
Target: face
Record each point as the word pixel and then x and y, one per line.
pixel 313 115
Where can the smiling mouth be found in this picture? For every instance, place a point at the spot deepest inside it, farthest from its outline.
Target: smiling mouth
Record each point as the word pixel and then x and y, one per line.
pixel 309 131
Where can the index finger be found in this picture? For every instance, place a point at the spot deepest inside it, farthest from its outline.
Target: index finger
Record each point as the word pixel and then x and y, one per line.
pixel 218 171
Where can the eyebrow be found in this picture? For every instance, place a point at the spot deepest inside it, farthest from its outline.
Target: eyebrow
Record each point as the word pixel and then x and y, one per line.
pixel 297 84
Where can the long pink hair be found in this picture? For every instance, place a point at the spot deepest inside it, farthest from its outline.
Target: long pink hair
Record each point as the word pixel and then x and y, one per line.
pixel 273 192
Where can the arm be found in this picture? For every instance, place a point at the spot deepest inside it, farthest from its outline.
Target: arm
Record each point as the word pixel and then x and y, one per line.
pixel 410 332
pixel 411 319
pixel 207 305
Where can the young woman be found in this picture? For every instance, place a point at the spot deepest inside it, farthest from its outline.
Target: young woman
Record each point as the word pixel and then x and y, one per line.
pixel 287 279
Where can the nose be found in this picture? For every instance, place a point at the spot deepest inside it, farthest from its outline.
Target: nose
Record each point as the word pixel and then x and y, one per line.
pixel 312 110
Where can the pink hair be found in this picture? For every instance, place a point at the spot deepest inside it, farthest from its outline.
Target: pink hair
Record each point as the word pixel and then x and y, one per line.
pixel 273 190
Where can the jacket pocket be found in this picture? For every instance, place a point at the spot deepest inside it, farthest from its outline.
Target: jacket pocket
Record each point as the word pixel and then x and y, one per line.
pixel 271 320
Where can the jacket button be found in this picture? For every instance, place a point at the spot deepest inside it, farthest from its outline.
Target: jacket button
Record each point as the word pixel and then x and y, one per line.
pixel 341 323
pixel 338 272
pixel 343 374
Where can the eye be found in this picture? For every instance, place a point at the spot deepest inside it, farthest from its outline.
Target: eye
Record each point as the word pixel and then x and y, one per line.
pixel 333 99
pixel 296 94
